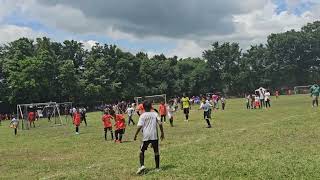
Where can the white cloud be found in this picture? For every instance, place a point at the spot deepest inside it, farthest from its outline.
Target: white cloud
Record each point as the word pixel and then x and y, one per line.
pixel 88 44
pixel 10 33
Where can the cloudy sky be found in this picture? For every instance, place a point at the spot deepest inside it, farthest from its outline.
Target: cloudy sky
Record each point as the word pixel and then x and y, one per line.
pixel 173 27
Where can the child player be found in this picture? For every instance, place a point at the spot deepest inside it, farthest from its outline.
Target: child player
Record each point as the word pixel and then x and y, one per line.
pixel 120 126
pixel 77 120
pixel 31 118
pixel 130 112
pixel 149 122
pixel 163 111
pixel 14 124
pixel 206 106
pixel 170 110
pixel 106 119
pixel 185 104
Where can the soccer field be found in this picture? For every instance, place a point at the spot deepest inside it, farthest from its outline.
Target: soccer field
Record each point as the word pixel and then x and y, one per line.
pixel 278 143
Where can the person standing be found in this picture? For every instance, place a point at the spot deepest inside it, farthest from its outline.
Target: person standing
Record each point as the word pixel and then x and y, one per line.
pixel 223 102
pixel 314 93
pixel 185 104
pixel 106 119
pixel 149 122
pixel 130 112
pixel 267 98
pixel 77 120
pixel 261 97
pixel 163 111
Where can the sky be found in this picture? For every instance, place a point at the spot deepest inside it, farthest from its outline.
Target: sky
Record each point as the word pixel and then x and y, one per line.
pixel 173 27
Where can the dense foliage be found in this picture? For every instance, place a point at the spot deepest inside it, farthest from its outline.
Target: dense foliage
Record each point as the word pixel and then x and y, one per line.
pixel 42 70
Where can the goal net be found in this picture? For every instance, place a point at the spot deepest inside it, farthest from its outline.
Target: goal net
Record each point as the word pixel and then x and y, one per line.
pixel 41 110
pixel 302 89
pixel 155 99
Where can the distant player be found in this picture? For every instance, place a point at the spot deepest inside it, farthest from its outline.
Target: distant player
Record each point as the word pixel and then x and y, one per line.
pixel 206 106
pixel 163 111
pixel 148 122
pixel 130 112
pixel 267 99
pixel 277 94
pixel 77 120
pixel 14 124
pixel 106 119
pixel 83 113
pixel 185 104
pixel 223 102
pixel 31 118
pixel 314 93
pixel 120 127
pixel 170 110
pixel 248 101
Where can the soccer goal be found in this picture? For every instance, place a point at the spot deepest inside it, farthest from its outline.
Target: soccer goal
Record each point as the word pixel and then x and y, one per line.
pixel 302 89
pixel 42 109
pixel 155 99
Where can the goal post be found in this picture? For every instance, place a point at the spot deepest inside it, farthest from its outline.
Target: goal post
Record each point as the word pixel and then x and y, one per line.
pixel 302 89
pixel 156 99
pixel 23 109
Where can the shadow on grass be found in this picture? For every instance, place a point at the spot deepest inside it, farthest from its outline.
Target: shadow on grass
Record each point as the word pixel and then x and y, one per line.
pixel 153 170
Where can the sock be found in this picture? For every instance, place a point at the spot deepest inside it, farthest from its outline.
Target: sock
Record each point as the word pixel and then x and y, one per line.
pixel 120 137
pixel 208 122
pixel 105 135
pixel 187 117
pixel 171 122
pixel 77 129
pixel 111 134
pixel 157 160
pixel 141 158
pixel 15 131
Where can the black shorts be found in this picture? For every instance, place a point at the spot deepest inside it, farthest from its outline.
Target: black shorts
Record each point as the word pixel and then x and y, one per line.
pixel 154 143
pixel 186 110
pixel 108 128
pixel 120 131
pixel 207 114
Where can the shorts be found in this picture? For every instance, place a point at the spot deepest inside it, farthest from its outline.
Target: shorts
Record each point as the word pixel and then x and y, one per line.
pixel 186 110
pixel 107 128
pixel 207 114
pixel 154 143
pixel 315 98
pixel 120 131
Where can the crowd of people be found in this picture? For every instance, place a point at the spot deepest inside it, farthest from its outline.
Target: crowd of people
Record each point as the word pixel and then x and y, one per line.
pixel 260 99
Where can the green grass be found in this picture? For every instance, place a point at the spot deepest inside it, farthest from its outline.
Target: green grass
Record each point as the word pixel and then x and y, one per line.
pixel 280 143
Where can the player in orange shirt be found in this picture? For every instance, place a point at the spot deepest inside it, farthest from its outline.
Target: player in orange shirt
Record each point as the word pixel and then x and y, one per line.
pixel 120 127
pixel 31 118
pixel 140 109
pixel 77 120
pixel 163 111
pixel 106 119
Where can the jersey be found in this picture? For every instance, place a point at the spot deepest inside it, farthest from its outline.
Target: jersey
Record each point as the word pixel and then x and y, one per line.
pixel 185 102
pixel 162 110
pixel 120 122
pixel 149 122
pixel 106 119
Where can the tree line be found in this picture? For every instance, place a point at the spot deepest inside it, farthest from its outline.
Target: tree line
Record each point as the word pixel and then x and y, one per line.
pixel 42 70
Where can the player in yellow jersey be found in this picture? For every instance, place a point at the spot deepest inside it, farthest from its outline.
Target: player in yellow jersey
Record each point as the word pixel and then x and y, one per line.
pixel 185 104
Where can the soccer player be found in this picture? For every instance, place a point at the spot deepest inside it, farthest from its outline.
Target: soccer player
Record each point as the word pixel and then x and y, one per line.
pixel 31 118
pixel 185 104
pixel 206 106
pixel 77 120
pixel 267 98
pixel 120 126
pixel 223 102
pixel 14 124
pixel 163 111
pixel 148 122
pixel 170 110
pixel 83 112
pixel 130 112
pixel 106 119
pixel 314 93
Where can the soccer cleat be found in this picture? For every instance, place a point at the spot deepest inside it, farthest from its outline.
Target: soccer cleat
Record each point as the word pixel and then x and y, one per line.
pixel 77 133
pixel 157 170
pixel 141 170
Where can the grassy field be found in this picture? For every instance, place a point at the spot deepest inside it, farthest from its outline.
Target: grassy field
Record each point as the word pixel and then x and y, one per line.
pixel 279 143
